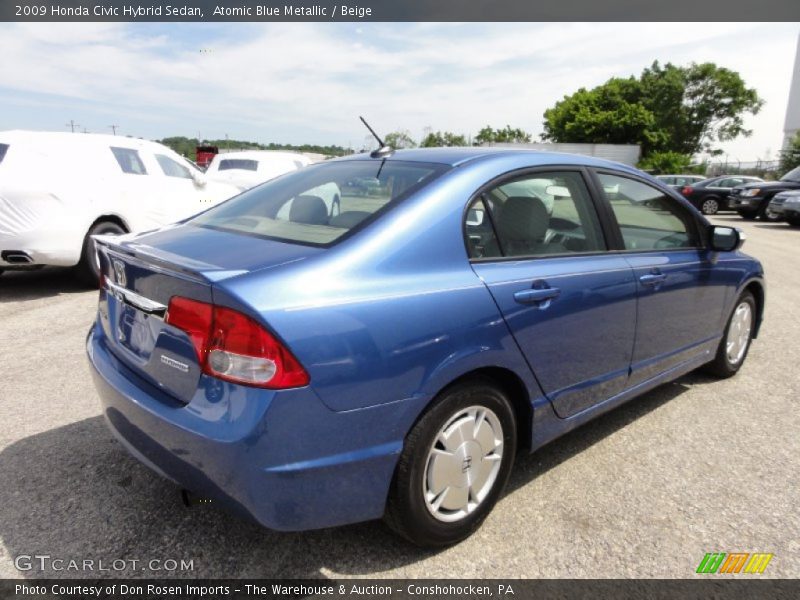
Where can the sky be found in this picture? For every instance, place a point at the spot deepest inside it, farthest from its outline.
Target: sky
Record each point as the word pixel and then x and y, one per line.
pixel 308 82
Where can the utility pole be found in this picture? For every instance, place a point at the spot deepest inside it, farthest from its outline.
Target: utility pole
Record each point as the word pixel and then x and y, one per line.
pixel 113 129
pixel 72 125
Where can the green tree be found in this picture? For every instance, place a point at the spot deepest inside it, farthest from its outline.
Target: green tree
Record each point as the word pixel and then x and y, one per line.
pixel 439 139
pixel 790 156
pixel 400 139
pixel 667 109
pixel 666 162
pixel 487 135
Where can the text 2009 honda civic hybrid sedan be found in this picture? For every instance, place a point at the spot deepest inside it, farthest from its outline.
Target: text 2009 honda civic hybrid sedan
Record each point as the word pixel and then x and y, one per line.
pixel 389 361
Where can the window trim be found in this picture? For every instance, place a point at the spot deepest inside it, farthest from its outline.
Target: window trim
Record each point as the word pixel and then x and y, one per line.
pixel 509 176
pixel 699 225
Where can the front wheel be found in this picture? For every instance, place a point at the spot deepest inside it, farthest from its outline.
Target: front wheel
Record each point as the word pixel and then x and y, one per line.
pixel 454 465
pixel 710 206
pixel 735 343
pixel 794 222
pixel 770 216
pixel 747 216
pixel 89 267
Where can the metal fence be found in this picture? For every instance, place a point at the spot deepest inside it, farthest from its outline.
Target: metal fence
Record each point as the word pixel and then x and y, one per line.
pixel 759 168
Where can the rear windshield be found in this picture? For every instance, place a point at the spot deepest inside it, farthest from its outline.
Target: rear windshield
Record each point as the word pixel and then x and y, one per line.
pixel 3 150
pixel 320 203
pixel 238 163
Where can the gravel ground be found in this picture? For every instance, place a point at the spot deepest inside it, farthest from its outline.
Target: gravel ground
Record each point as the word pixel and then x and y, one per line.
pixel 695 466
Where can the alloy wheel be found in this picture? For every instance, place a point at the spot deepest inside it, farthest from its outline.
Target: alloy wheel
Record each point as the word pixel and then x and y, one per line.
pixel 463 463
pixel 739 333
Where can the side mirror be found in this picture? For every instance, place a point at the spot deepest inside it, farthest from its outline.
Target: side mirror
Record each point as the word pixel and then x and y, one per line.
pixel 199 178
pixel 726 239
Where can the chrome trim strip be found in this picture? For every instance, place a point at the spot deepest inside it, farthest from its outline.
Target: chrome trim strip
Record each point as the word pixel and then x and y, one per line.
pixel 151 307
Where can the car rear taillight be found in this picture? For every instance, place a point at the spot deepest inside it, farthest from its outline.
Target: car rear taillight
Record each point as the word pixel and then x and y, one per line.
pixel 686 190
pixel 233 347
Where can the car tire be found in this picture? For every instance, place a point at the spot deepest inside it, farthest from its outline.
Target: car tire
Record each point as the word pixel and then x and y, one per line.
pixel 793 222
pixel 88 269
pixel 709 205
pixel 735 343
pixel 765 214
pixel 747 216
pixel 441 493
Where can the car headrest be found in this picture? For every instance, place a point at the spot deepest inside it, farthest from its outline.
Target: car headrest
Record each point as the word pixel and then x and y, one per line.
pixel 309 209
pixel 349 219
pixel 523 218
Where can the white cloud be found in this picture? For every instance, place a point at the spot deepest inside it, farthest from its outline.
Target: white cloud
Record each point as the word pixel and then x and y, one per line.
pixel 308 82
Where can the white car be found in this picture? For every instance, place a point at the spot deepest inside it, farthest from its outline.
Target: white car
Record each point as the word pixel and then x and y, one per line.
pixel 249 168
pixel 58 189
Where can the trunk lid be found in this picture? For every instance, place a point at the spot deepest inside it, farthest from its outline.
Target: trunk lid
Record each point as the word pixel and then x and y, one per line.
pixel 141 273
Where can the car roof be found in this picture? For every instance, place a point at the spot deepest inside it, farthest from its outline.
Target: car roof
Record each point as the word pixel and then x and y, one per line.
pixel 261 155
pixel 458 156
pixel 47 139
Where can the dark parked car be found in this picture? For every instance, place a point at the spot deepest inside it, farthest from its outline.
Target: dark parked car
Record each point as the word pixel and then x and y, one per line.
pixel 787 205
pixel 751 201
pixel 389 361
pixel 711 195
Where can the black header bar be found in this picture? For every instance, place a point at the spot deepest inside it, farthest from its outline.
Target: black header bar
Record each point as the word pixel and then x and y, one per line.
pixel 398 10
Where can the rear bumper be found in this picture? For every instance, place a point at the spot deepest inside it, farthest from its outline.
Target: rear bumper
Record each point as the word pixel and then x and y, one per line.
pixel 54 248
pixel 282 458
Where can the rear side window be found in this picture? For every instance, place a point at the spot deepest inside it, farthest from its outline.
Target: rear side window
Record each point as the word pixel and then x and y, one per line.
pixel 243 164
pixel 172 168
pixel 129 161
pixel 3 150
pixel 320 203
pixel 537 215
pixel 648 219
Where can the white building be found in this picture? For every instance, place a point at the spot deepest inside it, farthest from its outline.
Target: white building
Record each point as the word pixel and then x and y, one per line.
pixel 792 125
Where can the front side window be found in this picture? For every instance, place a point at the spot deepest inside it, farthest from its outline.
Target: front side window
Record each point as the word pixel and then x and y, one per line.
pixel 241 164
pixel 129 161
pixel 648 219
pixel 172 168
pixel 320 203
pixel 535 215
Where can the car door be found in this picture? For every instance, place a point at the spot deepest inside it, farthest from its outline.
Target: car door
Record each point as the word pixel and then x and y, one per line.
pixel 537 242
pixel 680 293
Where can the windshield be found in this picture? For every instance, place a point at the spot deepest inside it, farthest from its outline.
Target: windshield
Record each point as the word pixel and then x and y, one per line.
pixel 320 203
pixel 793 175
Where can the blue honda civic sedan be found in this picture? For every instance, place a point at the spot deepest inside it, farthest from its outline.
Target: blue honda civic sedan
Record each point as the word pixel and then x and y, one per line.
pixel 311 367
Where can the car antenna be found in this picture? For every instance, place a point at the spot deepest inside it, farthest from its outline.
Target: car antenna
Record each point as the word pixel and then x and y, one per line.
pixel 383 150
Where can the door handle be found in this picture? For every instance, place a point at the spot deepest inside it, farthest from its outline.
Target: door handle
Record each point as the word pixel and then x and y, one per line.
pixel 536 295
pixel 653 279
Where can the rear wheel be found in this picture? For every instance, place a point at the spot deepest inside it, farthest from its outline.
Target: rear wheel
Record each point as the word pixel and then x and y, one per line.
pixel 709 206
pixel 794 222
pixel 747 216
pixel 454 466
pixel 89 267
pixel 734 345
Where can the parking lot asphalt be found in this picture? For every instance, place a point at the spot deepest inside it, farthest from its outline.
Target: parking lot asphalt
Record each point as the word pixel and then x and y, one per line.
pixel 694 466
